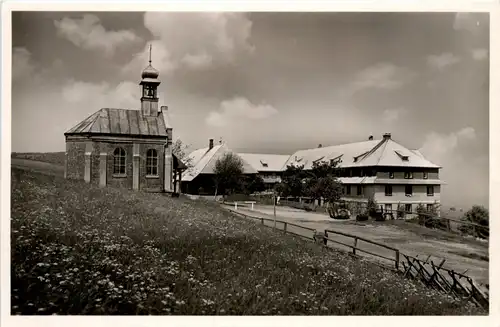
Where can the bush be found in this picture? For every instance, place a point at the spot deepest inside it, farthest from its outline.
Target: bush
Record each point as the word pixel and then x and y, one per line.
pixel 478 215
pixel 430 219
pixel 362 216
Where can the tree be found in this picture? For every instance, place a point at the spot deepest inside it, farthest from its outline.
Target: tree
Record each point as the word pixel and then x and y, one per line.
pixel 292 181
pixel 322 182
pixel 477 215
pixel 179 149
pixel 228 172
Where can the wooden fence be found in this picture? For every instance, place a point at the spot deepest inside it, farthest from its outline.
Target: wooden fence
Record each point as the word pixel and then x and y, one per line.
pixel 432 275
pixel 355 247
pixel 445 280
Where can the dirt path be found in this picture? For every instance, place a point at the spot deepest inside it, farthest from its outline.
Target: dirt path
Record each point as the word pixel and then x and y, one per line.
pixel 461 255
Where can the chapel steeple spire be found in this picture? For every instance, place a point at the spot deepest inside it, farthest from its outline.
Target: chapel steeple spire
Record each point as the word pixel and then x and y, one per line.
pixel 149 83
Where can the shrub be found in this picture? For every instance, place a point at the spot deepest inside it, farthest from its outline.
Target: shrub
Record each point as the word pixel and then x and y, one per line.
pixel 430 219
pixel 478 215
pixel 362 216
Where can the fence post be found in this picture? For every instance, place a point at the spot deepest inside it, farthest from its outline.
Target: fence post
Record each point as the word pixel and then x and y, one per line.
pixel 355 245
pixel 262 220
pixel 284 227
pixel 235 205
pixel 397 259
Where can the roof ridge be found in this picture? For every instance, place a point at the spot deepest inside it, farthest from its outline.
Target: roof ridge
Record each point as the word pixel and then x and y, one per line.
pixel 385 146
pixel 370 152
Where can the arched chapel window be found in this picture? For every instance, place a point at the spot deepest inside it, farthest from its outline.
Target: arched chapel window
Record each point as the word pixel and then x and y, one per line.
pixel 119 161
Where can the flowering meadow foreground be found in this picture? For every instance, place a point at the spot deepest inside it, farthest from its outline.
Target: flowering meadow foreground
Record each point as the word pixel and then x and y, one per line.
pixel 79 249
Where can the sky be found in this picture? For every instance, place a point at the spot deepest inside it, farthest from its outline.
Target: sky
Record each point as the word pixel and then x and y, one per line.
pixel 268 82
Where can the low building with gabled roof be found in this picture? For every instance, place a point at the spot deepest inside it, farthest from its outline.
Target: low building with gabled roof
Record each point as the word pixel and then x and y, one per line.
pixel 199 178
pixel 124 147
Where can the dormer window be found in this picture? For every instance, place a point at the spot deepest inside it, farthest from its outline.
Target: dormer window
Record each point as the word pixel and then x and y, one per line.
pixel 426 175
pixel 391 175
pixel 402 156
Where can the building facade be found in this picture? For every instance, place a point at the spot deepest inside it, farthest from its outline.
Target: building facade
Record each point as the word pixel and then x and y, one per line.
pixel 394 176
pixel 125 148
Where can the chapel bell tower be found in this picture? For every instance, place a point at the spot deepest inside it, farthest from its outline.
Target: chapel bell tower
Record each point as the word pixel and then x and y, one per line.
pixel 149 84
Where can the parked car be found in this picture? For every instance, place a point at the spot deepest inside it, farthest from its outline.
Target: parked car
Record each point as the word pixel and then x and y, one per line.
pixel 339 210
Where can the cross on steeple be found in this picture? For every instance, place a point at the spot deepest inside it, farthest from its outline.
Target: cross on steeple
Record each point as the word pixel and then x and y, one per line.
pixel 150 48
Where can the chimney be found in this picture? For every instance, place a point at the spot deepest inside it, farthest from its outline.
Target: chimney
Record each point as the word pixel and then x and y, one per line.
pixel 163 108
pixel 370 138
pixel 387 136
pixel 320 145
pixel 210 144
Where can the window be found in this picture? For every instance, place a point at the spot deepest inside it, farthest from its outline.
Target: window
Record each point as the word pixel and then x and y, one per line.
pixel 348 189
pixel 429 206
pixel 360 190
pixel 426 175
pixel 362 173
pixel 430 190
pixel 408 190
pixel 391 175
pixel 408 175
pixel 151 163
pixel 388 207
pixel 119 161
pixel 408 207
pixel 388 190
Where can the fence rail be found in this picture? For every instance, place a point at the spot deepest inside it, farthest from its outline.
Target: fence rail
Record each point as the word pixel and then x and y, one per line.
pixel 451 282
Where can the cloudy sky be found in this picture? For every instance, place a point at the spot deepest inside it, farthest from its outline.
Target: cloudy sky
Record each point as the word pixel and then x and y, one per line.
pixel 268 82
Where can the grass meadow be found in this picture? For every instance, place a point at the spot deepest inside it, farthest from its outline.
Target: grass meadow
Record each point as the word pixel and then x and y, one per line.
pixel 80 249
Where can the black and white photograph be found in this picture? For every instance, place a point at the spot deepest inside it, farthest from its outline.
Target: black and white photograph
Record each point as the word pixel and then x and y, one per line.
pixel 248 163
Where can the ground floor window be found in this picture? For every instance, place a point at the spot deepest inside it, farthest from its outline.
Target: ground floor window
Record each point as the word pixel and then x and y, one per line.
pixel 430 190
pixel 360 190
pixel 388 190
pixel 119 161
pixel 151 163
pixel 388 207
pixel 408 207
pixel 429 206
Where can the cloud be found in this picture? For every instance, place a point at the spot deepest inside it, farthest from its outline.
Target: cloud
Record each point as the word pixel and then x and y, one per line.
pixel 479 54
pixel 438 147
pixel 442 61
pixel 195 40
pixel 99 95
pixel 88 33
pixel 22 64
pixel 199 61
pixel 392 115
pixel 465 21
pixel 385 76
pixel 161 59
pixel 237 109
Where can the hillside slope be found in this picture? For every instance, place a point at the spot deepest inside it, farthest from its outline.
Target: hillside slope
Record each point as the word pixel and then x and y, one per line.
pixel 79 249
